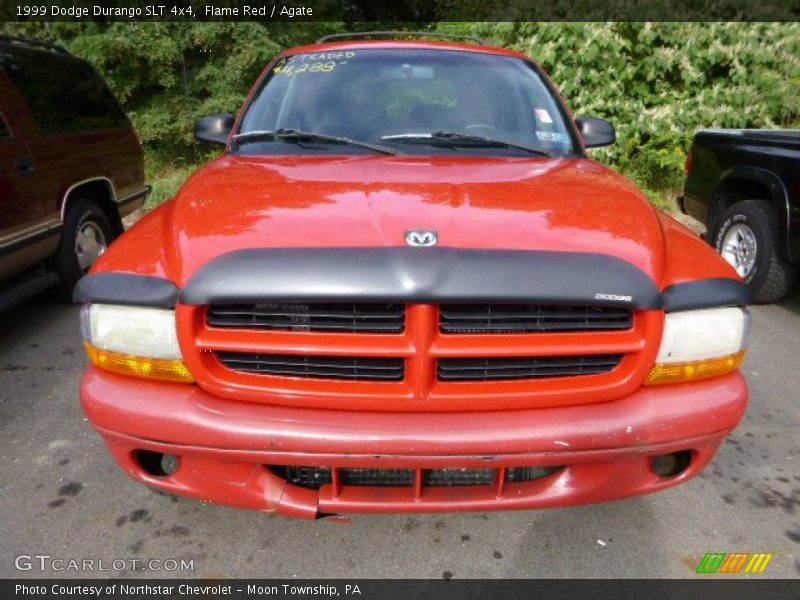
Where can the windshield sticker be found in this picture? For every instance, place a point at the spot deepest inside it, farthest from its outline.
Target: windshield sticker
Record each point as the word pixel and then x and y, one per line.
pixel 318 67
pixel 340 57
pixel 319 62
pixel 543 115
pixel 552 136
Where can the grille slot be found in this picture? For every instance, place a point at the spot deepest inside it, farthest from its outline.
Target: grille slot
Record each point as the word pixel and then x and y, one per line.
pixel 319 317
pixel 457 477
pixel 530 318
pixel 535 367
pixel 316 477
pixel 377 477
pixel 320 367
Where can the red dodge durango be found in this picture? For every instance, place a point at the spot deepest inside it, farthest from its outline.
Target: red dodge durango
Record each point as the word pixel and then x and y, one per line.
pixel 404 287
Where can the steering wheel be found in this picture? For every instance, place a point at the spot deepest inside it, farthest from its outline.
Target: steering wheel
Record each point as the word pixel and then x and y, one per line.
pixel 480 126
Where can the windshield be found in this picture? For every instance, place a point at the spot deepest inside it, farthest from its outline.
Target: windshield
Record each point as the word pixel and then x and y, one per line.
pixel 404 99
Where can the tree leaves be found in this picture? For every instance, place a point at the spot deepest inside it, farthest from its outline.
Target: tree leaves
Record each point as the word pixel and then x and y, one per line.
pixel 661 82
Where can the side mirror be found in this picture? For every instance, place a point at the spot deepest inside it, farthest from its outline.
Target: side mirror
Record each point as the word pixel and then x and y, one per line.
pixel 214 129
pixel 596 132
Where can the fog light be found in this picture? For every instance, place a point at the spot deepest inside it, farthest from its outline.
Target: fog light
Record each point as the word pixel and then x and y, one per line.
pixel 672 464
pixel 157 464
pixel 169 464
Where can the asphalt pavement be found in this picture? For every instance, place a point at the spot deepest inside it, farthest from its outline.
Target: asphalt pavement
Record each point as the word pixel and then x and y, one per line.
pixel 64 497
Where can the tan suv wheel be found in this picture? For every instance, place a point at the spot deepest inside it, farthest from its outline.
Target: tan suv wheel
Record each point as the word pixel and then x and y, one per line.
pixel 87 233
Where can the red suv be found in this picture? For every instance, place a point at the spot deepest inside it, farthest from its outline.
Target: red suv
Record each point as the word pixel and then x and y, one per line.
pixel 404 287
pixel 70 167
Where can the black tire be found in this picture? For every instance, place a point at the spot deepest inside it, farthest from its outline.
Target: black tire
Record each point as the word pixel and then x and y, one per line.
pixel 771 276
pixel 80 213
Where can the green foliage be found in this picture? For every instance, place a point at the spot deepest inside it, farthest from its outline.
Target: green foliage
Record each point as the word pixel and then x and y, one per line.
pixel 661 82
pixel 166 179
pixel 657 82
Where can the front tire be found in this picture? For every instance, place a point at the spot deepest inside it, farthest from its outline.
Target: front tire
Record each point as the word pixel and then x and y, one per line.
pixel 748 238
pixel 87 233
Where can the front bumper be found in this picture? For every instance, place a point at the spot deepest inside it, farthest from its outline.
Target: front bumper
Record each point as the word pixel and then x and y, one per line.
pixel 224 446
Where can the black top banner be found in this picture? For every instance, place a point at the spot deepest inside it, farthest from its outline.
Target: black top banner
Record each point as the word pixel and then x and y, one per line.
pixel 404 589
pixel 399 11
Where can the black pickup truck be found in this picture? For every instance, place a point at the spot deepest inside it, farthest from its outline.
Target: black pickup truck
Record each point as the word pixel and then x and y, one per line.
pixel 744 184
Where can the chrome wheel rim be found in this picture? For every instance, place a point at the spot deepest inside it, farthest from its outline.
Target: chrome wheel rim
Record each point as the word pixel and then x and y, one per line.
pixel 739 249
pixel 90 243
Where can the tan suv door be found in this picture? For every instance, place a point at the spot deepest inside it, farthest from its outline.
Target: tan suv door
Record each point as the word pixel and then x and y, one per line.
pixel 26 235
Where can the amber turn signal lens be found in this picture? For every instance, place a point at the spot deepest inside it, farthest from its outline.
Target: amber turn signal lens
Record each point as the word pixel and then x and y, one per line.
pixel 694 370
pixel 139 366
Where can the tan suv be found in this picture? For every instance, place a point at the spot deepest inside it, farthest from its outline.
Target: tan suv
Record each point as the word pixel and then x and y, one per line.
pixel 70 167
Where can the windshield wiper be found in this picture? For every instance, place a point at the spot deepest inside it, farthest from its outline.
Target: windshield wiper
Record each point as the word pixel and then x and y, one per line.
pixel 294 134
pixel 453 136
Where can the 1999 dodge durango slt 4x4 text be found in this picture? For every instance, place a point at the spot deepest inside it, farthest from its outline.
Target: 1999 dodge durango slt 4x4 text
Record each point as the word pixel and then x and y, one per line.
pixel 404 287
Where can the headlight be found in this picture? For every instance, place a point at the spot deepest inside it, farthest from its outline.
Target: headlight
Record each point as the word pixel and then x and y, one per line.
pixel 133 340
pixel 698 344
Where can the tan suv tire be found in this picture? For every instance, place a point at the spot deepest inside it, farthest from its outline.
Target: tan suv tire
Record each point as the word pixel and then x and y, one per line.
pixel 87 234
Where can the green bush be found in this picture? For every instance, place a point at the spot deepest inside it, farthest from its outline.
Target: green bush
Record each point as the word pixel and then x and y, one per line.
pixel 661 82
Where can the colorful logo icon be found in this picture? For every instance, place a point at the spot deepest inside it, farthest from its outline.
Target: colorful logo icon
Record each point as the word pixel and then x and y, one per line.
pixel 734 562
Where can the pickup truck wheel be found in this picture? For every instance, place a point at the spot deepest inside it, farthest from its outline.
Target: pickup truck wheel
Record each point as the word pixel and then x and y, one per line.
pixel 748 238
pixel 87 234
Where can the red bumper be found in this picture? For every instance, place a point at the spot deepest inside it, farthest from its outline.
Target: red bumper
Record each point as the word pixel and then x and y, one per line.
pixel 224 446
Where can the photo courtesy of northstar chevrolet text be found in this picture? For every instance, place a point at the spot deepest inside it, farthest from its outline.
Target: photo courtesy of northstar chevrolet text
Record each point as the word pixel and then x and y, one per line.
pixel 508 299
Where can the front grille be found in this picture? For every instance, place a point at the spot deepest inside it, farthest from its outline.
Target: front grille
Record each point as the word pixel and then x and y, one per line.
pixel 416 357
pixel 522 367
pixel 320 317
pixel 316 477
pixel 321 367
pixel 530 318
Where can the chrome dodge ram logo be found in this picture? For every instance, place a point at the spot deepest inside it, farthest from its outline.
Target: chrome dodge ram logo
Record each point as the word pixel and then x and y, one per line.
pixel 422 237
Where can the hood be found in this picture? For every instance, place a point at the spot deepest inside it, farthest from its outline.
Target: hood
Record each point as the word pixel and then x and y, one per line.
pixel 578 205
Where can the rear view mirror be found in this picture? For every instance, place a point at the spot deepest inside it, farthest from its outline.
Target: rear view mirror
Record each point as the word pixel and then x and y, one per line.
pixel 214 129
pixel 596 132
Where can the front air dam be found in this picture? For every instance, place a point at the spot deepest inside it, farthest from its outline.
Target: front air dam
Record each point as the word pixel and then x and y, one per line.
pixel 224 448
